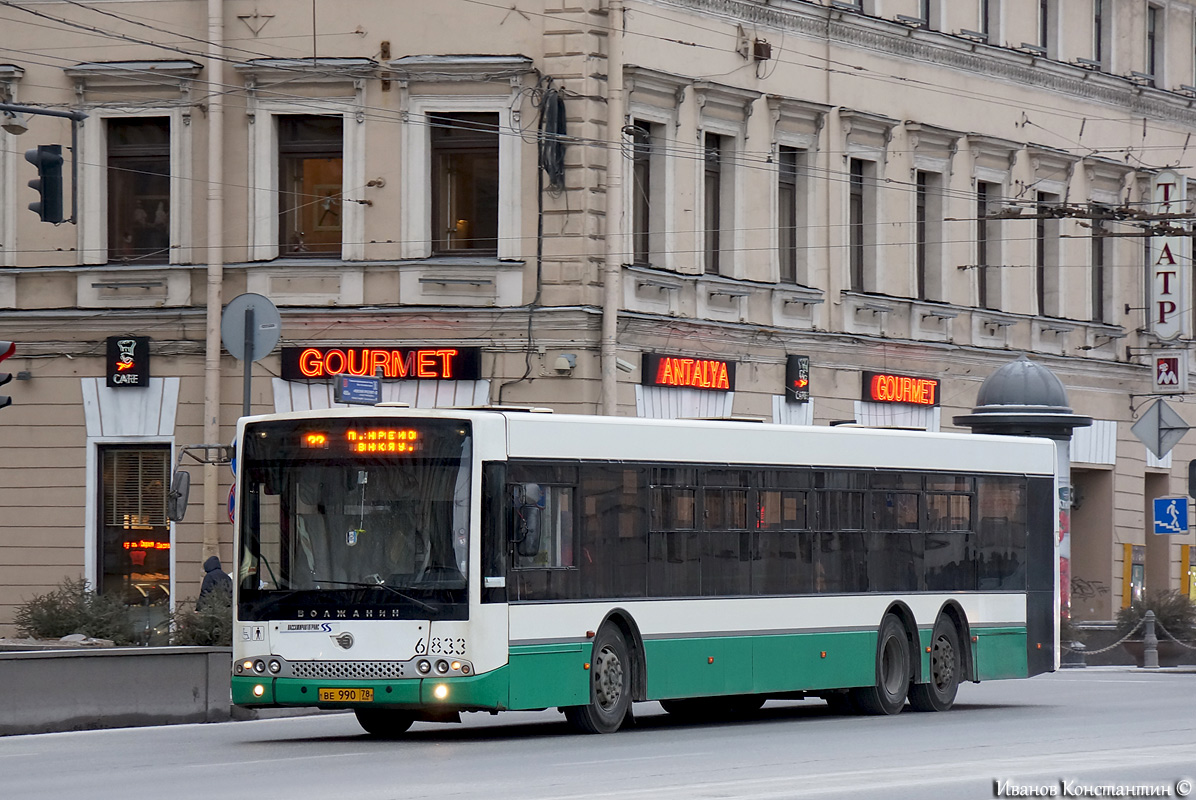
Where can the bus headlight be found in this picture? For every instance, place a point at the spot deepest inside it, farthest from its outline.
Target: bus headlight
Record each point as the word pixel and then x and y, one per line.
pixel 275 666
pixel 440 692
pixel 424 666
pixel 259 666
pixel 259 690
pixel 442 666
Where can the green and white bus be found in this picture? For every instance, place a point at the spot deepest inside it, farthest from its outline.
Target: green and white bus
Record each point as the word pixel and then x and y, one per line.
pixel 414 564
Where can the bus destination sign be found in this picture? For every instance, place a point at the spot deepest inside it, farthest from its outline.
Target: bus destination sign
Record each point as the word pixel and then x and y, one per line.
pixel 684 372
pixel 885 387
pixel 394 363
pixel 380 440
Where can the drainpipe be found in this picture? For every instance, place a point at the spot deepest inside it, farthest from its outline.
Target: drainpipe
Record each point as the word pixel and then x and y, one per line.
pixel 612 268
pixel 215 250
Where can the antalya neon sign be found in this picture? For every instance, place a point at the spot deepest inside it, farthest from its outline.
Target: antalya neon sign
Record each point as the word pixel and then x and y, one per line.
pixel 689 373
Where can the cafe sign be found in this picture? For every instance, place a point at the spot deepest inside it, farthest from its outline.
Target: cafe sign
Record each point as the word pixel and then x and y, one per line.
pixel 127 363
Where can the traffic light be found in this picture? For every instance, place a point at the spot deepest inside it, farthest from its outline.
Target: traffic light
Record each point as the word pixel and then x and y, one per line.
pixel 48 183
pixel 6 350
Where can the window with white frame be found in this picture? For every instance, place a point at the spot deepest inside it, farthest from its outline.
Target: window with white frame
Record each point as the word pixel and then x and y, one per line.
pixel 138 160
pixel 791 214
pixel 1047 280
pixel 461 178
pixel 988 246
pixel 723 115
pixel 928 235
pixel 796 128
pixel 715 149
pixel 310 185
pixel 465 183
pixel 861 225
pixel 135 167
pixel 648 181
pixel 306 159
pixel 1155 38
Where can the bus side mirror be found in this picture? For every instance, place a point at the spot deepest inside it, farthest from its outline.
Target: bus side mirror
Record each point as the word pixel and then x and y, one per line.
pixel 176 501
pixel 525 530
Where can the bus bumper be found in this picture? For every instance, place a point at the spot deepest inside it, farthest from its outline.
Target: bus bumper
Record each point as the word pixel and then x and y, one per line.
pixel 486 692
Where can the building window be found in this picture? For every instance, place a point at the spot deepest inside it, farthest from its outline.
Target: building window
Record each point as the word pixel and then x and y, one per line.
pixel 1044 24
pixel 139 190
pixel 712 201
pixel 1098 32
pixel 310 170
pixel 646 186
pixel 791 214
pixel 1154 44
pixel 861 209
pixel 1046 257
pixel 988 248
pixel 134 533
pixel 1099 267
pixel 990 19
pixel 928 233
pixel 465 191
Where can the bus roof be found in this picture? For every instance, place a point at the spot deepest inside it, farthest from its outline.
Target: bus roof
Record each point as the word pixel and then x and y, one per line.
pixel 575 436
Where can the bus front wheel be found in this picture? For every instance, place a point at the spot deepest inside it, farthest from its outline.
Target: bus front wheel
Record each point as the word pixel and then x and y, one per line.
pixel 610 685
pixel 384 724
pixel 893 671
pixel 938 694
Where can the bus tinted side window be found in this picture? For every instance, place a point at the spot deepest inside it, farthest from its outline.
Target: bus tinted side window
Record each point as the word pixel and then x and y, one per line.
pixel 542 513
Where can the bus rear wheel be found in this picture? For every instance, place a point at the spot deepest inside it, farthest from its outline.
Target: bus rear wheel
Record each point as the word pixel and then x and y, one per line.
pixel 893 671
pixel 610 685
pixel 386 724
pixel 938 693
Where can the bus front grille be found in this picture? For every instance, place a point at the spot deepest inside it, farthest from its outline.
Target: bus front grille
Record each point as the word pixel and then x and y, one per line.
pixel 349 670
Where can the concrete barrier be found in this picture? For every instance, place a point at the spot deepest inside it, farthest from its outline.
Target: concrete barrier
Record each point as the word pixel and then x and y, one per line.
pixel 64 690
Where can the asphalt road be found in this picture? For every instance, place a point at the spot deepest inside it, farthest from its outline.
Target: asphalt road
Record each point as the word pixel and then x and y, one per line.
pixel 1076 732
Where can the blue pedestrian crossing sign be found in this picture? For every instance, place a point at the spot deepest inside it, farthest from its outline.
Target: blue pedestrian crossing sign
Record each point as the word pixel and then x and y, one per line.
pixel 1171 515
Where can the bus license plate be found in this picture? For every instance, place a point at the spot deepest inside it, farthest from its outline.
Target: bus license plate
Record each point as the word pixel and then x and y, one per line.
pixel 346 695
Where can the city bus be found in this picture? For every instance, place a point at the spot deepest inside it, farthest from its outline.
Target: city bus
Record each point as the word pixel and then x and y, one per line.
pixel 414 564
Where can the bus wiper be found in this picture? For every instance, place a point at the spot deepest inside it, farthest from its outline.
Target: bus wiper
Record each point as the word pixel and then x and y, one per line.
pixel 391 589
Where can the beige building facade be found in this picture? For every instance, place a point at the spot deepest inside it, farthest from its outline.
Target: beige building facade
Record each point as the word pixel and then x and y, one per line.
pixel 633 207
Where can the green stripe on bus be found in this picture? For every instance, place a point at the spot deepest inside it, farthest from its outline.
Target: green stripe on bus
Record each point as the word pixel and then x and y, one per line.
pixel 1000 653
pixel 759 664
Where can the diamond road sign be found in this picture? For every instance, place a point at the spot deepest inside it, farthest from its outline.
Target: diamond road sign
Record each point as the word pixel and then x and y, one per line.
pixel 1160 428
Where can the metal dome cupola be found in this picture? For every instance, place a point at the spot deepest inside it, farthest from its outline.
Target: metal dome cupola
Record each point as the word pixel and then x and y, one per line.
pixel 1023 398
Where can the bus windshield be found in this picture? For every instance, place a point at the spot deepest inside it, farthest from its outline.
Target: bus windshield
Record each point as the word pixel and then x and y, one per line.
pixel 354 518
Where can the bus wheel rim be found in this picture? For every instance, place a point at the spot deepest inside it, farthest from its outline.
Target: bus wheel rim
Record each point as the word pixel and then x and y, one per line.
pixel 608 679
pixel 943 663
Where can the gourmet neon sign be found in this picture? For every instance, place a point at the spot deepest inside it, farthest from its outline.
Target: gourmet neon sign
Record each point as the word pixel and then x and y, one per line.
pixel 884 387
pixel 689 373
pixel 395 363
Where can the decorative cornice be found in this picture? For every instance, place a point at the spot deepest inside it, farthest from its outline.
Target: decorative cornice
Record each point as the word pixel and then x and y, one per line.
pixel 953 52
pixel 133 75
pixel 262 71
pixel 460 68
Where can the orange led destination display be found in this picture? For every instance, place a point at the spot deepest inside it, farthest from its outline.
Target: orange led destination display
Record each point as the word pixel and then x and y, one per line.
pixel 884 387
pixel 690 373
pixel 368 440
pixel 395 363
pixel 383 440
